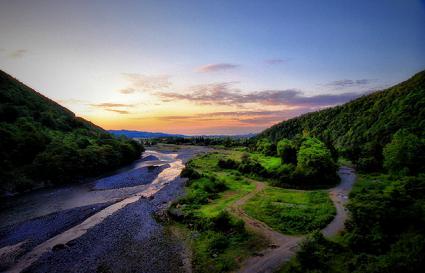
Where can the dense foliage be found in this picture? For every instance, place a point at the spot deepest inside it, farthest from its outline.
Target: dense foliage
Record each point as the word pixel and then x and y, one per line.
pixel 384 234
pixel 287 151
pixel 221 141
pixel 43 143
pixel 360 129
pixel 405 154
pixel 305 162
pixel 315 164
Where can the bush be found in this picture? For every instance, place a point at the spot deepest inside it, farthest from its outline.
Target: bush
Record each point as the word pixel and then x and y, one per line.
pixel 213 185
pixel 227 164
pixel 191 173
pixel 285 171
pixel 313 253
pixel 225 223
pixel 252 167
pixel 217 242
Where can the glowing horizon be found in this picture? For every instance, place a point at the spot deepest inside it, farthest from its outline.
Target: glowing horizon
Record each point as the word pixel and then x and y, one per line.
pixel 221 67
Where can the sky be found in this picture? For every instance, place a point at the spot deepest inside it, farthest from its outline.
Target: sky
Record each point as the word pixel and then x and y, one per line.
pixel 208 67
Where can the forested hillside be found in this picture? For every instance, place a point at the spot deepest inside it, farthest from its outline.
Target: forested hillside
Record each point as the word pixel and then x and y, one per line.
pixel 43 143
pixel 360 129
pixel 383 134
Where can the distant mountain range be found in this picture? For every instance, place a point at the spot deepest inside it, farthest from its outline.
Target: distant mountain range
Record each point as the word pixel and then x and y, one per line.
pixel 143 134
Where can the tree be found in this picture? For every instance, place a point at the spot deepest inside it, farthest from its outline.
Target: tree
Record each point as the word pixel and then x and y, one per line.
pixel 314 163
pixel 287 151
pixel 404 154
pixel 266 147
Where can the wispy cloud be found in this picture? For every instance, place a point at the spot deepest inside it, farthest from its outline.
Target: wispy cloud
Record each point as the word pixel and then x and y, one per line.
pixel 118 111
pixel 112 107
pixel 128 90
pixel 140 82
pixel 111 104
pixel 276 61
pixel 240 118
pixel 350 83
pixel 71 101
pixel 19 53
pixel 226 94
pixel 216 67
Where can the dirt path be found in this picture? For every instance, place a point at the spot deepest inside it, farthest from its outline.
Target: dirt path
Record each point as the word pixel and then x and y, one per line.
pixel 283 247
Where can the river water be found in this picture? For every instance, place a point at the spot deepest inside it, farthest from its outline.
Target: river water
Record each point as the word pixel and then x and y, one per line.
pixel 42 204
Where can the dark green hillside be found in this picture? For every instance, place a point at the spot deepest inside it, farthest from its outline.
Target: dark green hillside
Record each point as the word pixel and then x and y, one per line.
pixel 43 143
pixel 361 128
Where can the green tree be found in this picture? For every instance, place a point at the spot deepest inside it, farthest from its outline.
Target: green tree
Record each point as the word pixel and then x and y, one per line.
pixel 266 147
pixel 287 151
pixel 314 163
pixel 404 154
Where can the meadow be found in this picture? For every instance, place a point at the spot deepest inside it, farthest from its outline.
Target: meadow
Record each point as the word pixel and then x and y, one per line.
pixel 291 211
pixel 219 240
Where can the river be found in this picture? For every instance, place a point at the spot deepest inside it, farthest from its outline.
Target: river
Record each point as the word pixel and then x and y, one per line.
pixel 47 230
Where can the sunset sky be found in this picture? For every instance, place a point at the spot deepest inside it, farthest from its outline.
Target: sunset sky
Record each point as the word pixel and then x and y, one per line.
pixel 208 67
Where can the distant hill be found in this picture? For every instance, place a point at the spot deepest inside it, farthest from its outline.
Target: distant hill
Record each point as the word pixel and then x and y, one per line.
pixel 142 134
pixel 361 128
pixel 43 143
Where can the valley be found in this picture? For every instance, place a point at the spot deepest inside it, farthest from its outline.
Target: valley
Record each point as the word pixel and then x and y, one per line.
pixel 306 195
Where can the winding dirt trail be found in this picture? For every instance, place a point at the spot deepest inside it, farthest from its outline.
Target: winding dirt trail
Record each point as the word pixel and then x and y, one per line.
pixel 283 247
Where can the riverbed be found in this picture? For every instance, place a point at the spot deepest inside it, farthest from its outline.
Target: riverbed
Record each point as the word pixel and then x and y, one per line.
pixel 105 225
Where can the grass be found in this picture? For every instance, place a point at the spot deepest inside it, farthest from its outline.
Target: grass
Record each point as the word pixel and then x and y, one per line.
pixel 291 212
pixel 237 187
pixel 218 252
pixel 205 162
pixel 270 163
pixel 209 195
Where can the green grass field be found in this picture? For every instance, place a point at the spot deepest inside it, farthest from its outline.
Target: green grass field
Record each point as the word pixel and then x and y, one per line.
pixel 209 195
pixel 270 163
pixel 291 212
pixel 206 198
pixel 210 160
pixel 237 187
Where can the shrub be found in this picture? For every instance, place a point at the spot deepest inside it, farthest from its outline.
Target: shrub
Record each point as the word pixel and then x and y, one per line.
pixel 227 164
pixel 191 173
pixel 213 185
pixel 225 223
pixel 217 242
